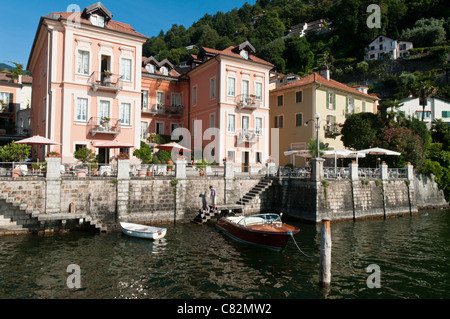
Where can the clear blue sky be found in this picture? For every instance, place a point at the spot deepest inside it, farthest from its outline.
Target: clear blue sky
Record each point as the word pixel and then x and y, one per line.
pixel 20 18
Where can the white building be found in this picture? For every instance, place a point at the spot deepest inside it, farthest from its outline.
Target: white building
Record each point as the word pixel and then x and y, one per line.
pixel 436 108
pixel 383 45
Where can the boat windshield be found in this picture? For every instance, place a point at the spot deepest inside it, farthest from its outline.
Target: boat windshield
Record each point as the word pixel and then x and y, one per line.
pixel 260 219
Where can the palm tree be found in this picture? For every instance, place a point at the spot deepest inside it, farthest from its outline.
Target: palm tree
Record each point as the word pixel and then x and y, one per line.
pixel 312 147
pixel 423 90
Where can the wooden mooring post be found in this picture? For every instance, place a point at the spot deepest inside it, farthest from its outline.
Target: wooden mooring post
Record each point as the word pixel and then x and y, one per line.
pixel 325 255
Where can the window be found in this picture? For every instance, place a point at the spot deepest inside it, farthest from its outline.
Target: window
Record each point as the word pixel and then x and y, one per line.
pixel 194 95
pixel 299 119
pixel 145 100
pixel 212 121
pixel 164 70
pixel 427 115
pixel 279 121
pixel 231 90
pixel 280 100
pixel 159 128
pixel 445 113
pixel 150 68
pixel 125 69
pixel 258 91
pixel 81 110
pixel 298 96
pixel 159 99
pixel 258 157
pixel 103 109
pixel 244 89
pixel 231 123
pixel 98 20
pixel 212 88
pixel 144 131
pixel 363 106
pixel 258 125
pixel 331 101
pixel 124 113
pixel 6 97
pixel 245 122
pixel 244 54
pixel 173 126
pixel 350 105
pixel 230 155
pixel 83 62
pixel 177 99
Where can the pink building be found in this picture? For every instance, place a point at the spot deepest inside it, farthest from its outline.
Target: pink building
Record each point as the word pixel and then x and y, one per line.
pixel 87 87
pixel 229 90
pixel 92 85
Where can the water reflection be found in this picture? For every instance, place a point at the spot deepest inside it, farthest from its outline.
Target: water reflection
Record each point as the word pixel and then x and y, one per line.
pixel 197 261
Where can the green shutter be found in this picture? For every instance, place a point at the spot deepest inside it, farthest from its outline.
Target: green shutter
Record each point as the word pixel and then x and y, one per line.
pixel 363 106
pixel 334 101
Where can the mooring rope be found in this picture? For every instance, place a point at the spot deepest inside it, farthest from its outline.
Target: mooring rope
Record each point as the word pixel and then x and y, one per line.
pixel 292 235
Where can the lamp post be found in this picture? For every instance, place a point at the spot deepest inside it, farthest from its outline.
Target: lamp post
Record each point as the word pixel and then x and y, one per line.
pixel 316 120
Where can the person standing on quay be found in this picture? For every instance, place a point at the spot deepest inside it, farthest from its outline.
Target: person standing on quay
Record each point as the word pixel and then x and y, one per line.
pixel 213 196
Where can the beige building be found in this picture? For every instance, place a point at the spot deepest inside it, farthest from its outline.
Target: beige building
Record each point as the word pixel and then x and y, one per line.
pixel 295 103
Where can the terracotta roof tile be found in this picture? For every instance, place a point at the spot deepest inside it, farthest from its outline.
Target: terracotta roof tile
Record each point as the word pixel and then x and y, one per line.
pixel 316 78
pixel 112 25
pixel 229 52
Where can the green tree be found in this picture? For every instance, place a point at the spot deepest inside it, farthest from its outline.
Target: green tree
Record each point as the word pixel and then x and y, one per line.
pixel 423 90
pixel 14 152
pixel 144 153
pixel 360 130
pixel 405 141
pixel 298 54
pixel 426 32
pixel 84 155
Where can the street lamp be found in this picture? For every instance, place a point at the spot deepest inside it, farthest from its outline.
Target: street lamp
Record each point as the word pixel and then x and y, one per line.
pixel 316 120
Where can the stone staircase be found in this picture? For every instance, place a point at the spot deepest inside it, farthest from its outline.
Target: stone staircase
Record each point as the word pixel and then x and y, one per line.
pixel 212 214
pixel 18 217
pixel 251 201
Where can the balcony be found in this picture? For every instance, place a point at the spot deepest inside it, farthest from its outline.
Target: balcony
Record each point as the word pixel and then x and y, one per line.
pixel 105 82
pixel 246 136
pixel 332 130
pixel 8 107
pixel 245 101
pixel 169 110
pixel 99 125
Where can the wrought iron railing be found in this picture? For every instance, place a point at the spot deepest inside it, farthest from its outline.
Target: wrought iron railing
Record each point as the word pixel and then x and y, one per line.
pixel 105 81
pixel 99 125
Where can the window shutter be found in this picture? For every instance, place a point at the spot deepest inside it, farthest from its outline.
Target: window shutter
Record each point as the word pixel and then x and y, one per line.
pixel 334 101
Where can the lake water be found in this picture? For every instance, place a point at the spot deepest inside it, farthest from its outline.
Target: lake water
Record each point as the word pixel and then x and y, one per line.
pixel 197 261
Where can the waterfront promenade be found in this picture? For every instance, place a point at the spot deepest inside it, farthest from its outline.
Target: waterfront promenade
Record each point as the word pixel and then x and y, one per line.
pixel 59 199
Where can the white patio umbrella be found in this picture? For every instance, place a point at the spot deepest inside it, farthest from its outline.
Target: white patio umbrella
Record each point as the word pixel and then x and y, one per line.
pixel 342 153
pixel 378 151
pixel 37 140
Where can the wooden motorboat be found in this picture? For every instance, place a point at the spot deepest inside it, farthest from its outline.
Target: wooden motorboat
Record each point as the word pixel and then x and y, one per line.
pixel 142 231
pixel 265 230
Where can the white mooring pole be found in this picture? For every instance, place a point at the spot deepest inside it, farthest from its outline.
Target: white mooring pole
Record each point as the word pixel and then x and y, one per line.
pixel 325 255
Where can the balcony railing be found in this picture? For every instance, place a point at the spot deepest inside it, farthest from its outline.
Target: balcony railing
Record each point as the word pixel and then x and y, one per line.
pixel 106 82
pixel 170 110
pixel 99 125
pixel 8 107
pixel 247 136
pixel 332 130
pixel 245 101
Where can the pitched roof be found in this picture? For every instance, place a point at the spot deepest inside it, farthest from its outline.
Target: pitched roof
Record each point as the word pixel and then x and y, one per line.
pixel 7 77
pixel 111 25
pixel 231 51
pixel 316 78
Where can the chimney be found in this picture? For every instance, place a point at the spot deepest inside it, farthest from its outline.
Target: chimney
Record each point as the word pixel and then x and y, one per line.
pixel 325 72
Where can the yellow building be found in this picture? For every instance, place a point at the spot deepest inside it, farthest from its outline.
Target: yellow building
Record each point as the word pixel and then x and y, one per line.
pixel 295 103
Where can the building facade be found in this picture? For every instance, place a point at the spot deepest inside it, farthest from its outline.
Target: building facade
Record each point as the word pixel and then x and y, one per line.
pixel 435 108
pixel 382 45
pixel 87 87
pixel 295 103
pixel 15 101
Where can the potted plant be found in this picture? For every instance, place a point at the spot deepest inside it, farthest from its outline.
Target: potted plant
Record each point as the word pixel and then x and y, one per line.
pixel 108 78
pixel 53 154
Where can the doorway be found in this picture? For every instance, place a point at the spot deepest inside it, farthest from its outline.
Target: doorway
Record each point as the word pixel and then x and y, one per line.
pixel 105 65
pixel 245 162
